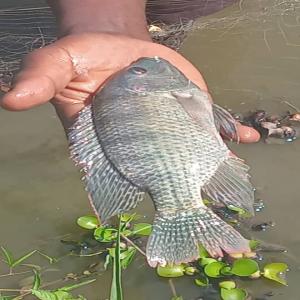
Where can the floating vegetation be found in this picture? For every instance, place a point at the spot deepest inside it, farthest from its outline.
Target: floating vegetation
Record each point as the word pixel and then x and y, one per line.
pixel 119 245
pixel 206 271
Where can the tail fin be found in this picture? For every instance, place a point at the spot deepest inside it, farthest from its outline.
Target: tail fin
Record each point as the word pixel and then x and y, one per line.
pixel 176 236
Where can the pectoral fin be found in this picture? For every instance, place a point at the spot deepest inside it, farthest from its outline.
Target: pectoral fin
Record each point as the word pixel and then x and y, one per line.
pixel 197 105
pixel 225 123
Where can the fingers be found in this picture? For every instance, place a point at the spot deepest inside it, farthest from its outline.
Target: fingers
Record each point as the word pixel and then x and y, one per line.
pixel 43 74
pixel 247 134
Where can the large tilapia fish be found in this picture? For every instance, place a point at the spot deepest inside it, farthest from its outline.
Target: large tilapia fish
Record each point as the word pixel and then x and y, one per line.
pixel 152 131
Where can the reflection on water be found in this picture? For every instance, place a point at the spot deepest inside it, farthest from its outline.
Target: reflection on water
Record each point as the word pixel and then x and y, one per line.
pixel 250 56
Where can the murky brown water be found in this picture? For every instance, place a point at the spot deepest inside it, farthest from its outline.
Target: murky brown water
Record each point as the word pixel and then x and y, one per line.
pixel 250 56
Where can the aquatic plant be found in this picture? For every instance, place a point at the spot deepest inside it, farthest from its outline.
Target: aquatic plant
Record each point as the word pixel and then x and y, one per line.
pixel 35 286
pixel 205 272
pixel 120 242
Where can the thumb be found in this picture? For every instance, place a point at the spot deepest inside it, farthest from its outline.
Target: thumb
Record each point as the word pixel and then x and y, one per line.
pixel 44 73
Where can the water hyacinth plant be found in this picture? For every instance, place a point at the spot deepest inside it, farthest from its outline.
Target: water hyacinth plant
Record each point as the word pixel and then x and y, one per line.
pixel 120 243
pixel 206 271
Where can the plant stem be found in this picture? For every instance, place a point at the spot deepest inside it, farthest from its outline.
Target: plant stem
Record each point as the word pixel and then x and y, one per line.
pixel 12 274
pixel 116 292
pixel 88 255
pixel 14 290
pixel 291 105
pixel 172 286
pixel 133 244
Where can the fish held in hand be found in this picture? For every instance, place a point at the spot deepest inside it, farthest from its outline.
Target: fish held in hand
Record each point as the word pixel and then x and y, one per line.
pixel 150 130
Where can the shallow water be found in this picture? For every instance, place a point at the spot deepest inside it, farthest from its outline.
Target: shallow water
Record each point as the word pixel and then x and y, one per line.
pixel 250 56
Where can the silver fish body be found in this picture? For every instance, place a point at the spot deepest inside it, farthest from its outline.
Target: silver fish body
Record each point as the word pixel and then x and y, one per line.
pixel 152 131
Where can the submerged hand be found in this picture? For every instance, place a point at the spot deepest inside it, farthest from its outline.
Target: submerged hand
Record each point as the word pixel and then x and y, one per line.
pixel 70 71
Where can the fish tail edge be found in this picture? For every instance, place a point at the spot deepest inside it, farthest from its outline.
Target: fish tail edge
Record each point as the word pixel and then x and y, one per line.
pixel 176 237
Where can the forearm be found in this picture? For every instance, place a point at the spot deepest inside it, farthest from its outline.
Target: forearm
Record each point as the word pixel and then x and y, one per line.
pixel 116 16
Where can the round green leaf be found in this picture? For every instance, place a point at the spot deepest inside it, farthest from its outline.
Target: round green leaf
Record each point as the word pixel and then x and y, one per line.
pixel 170 271
pixel 206 260
pixel 103 234
pixel 202 281
pixel 213 269
pixel 228 284
pixel 253 244
pixel 238 210
pixel 233 294
pixel 244 267
pixel 226 271
pixel 88 222
pixel 190 270
pixel 142 229
pixel 276 272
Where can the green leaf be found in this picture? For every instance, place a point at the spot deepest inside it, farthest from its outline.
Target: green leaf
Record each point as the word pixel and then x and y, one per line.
pixel 142 229
pixel 238 210
pixel 206 260
pixel 116 292
pixel 206 202
pixel 105 235
pixel 213 269
pixel 202 252
pixel 75 286
pixel 88 222
pixel 177 298
pixel 244 267
pixel 8 256
pixel 170 271
pixel 126 218
pixel 203 281
pixel 233 294
pixel 190 270
pixel 253 244
pixel 22 258
pixel 227 284
pixel 36 280
pixel 127 257
pixel 44 295
pixel 276 272
pixel 62 295
pixel 226 271
pixel 6 297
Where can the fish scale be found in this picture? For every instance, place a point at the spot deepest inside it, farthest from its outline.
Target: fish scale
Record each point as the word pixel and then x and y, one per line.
pixel 151 131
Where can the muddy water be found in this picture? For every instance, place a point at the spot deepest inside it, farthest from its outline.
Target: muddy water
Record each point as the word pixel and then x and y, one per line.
pixel 250 56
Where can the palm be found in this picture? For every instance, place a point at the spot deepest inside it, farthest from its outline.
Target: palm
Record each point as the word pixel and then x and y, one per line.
pixel 70 70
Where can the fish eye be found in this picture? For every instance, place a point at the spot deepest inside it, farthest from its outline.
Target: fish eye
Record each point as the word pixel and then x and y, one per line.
pixel 137 70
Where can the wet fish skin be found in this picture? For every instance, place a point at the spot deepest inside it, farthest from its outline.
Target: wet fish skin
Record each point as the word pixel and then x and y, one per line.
pixel 150 130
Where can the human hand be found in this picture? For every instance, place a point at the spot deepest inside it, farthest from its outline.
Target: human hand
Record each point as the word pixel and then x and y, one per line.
pixel 70 71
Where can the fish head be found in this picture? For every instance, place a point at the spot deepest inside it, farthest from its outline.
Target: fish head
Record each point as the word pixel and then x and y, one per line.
pixel 148 75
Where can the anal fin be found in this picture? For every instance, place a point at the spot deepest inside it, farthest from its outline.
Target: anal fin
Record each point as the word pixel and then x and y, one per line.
pixel 110 193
